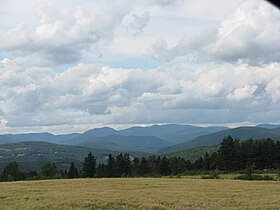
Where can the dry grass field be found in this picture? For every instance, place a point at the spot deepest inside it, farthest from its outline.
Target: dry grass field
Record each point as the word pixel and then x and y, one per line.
pixel 140 193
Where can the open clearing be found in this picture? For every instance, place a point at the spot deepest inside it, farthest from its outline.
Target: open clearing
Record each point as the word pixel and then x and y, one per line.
pixel 140 193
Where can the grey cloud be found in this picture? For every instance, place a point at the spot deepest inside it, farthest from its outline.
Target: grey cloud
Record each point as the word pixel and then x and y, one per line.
pixel 64 38
pixel 161 2
pixel 139 22
pixel 86 94
pixel 189 46
pixel 250 34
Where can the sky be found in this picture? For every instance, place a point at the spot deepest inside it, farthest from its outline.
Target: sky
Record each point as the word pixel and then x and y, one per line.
pixel 72 65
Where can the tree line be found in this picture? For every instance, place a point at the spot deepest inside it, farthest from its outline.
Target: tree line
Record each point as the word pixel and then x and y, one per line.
pixel 232 155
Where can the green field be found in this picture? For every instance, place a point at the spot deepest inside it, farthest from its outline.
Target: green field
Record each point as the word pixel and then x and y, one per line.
pixel 140 193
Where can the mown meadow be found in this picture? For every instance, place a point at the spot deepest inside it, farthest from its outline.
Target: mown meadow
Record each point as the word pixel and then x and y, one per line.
pixel 140 193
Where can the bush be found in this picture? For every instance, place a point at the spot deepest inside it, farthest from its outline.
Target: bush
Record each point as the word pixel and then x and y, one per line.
pixel 175 177
pixel 254 177
pixel 278 174
pixel 249 175
pixel 213 175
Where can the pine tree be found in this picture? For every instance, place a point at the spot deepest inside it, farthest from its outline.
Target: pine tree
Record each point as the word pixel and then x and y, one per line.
pixel 164 168
pixel 206 162
pixel 72 172
pixel 110 166
pixel 101 171
pixel 198 164
pixel 89 166
pixel 127 165
pixel 177 165
pixel 277 155
pixel 143 168
pixel 135 167
pixel 120 165
pixel 228 155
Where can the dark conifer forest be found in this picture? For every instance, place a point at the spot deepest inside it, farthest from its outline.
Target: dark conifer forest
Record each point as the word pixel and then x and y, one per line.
pixel 232 156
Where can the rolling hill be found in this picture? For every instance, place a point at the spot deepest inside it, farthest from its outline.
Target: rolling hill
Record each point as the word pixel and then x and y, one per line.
pixel 215 138
pixel 268 126
pixel 33 155
pixel 195 153
pixel 172 133
pixel 146 139
pixel 148 144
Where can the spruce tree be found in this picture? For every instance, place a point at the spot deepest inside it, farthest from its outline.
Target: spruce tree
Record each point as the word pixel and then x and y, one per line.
pixel 101 171
pixel 135 167
pixel 127 165
pixel 72 172
pixel 228 155
pixel 89 166
pixel 143 168
pixel 206 162
pixel 119 165
pixel 164 168
pixel 111 166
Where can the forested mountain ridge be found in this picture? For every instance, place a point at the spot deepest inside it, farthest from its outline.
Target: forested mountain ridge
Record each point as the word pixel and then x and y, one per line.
pixel 32 155
pixel 160 139
pixel 146 139
pixel 241 133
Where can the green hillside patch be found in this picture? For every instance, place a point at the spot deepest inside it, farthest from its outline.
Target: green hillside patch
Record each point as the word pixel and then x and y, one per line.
pixel 195 153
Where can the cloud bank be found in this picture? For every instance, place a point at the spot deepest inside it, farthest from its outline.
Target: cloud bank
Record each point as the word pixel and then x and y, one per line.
pixel 208 72
pixel 251 34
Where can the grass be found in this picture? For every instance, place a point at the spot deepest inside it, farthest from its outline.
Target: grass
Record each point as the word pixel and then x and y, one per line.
pixel 140 193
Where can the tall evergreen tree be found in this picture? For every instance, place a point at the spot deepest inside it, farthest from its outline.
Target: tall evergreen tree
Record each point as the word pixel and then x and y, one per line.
pixel 143 168
pixel 177 165
pixel 198 164
pixel 277 155
pixel 123 165
pixel 72 172
pixel 110 166
pixel 127 165
pixel 101 171
pixel 206 162
pixel 213 161
pixel 89 166
pixel 135 166
pixel 228 155
pixel 164 168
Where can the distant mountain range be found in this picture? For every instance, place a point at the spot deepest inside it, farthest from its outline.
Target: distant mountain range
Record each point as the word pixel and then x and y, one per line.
pixel 241 133
pixel 160 139
pixel 146 139
pixel 127 143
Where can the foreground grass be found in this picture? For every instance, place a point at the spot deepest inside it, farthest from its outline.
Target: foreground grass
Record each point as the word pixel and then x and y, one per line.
pixel 140 193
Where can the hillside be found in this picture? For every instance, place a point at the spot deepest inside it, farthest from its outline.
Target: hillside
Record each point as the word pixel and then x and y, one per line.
pixel 215 138
pixel 145 139
pixel 194 153
pixel 32 155
pixel 126 143
pixel 269 126
pixel 172 133
pixel 47 137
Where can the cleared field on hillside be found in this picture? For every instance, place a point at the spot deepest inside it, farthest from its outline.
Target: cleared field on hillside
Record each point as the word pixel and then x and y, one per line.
pixel 140 193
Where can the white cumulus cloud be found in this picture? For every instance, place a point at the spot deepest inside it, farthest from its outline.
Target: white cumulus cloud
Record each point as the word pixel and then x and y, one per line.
pixel 250 34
